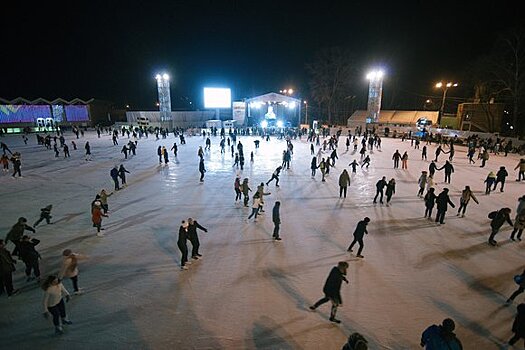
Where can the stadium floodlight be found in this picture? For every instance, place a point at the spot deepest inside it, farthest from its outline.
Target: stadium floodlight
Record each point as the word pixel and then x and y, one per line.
pixel 291 105
pixel 165 76
pixel 264 124
pixel 279 124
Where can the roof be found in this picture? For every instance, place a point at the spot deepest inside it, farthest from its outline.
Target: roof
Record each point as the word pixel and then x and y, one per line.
pixel 43 101
pixel 273 97
pixel 395 117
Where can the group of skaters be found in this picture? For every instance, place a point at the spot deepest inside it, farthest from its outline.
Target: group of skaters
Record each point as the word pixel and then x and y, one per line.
pixel 25 249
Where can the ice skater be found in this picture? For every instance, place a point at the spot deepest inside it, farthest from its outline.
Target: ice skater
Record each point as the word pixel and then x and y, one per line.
pixel 114 176
pixel 518 326
pixel 380 185
pixel 359 234
pixel 7 267
pixel 16 232
pixel 521 169
pixel 183 246
pixel 498 219
pixel 276 219
pixel 245 191
pixel 96 217
pixel 237 187
pixel 501 176
pixel 122 174
pixel 54 294
pixel 466 195
pixel 390 190
pixel 313 165
pixel 366 162
pixel 103 198
pixel 193 237
pixel 275 176
pixel 202 169
pixel 70 268
pixel 442 201
pixel 521 288
pixel 519 225
pixel 449 169
pixel 441 337
pixel 489 181
pixel 430 200
pixel 422 182
pixel 87 147
pixel 332 289
pixel 45 214
pixel 344 182
pixel 255 206
pixel 30 257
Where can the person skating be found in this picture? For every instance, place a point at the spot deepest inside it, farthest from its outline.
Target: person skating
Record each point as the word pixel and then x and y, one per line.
pixel 159 154
pixel 17 164
pixel 466 195
pixel 518 326
pixel 260 191
pixel 322 166
pixel 45 214
pixel 521 169
pixel 484 157
pixel 202 169
pixel 498 219
pixel 359 234
pixel 103 198
pixel 236 160
pixel 489 181
pixel 237 187
pixel 69 268
pixel 521 288
pixel 275 176
pixel 245 191
pixel 422 182
pixel 122 174
pixel 276 219
pixel 332 289
pixel 5 148
pixel 7 267
pixel 396 157
pixel 255 206
pixel 439 150
pixel 380 185
pixel 430 200
pixel 66 151
pixel 4 160
pixel 313 165
pixel 174 149
pixel 114 176
pixel 182 244
pixel 193 237
pixel 125 151
pixel 87 147
pixel 442 201
pixel 54 302
pixel 17 231
pixel 356 341
pixel 519 225
pixel 366 162
pixel 441 337
pixel 390 190
pixel 424 153
pixel 404 161
pixel 30 257
pixel 165 155
pixel 432 167
pixel 344 182
pixel 312 149
pixel 449 169
pixel 501 176
pixel 96 217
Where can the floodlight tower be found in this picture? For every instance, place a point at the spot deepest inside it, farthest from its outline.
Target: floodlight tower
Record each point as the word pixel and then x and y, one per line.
pixel 163 87
pixel 375 91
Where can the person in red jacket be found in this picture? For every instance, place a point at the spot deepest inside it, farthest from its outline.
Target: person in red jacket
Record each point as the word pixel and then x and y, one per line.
pixel 96 217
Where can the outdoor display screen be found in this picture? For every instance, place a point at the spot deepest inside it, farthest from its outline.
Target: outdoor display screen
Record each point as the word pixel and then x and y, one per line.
pixel 23 113
pixel 77 113
pixel 217 98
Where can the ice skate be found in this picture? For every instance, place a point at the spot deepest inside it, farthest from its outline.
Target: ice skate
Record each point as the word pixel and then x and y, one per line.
pixel 66 321
pixel 335 320
pixel 183 267
pixel 59 330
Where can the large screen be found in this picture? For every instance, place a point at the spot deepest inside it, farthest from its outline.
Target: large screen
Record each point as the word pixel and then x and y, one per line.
pixel 77 113
pixel 217 97
pixel 23 113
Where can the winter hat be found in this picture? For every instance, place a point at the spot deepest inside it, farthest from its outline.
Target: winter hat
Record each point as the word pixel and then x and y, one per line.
pixel 366 219
pixel 97 203
pixel 491 174
pixel 67 252
pixel 448 325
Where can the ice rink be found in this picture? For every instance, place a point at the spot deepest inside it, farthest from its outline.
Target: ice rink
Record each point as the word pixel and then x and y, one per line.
pixel 248 291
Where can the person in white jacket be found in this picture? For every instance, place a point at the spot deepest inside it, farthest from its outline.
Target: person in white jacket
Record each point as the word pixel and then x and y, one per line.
pixel 54 303
pixel 70 268
pixel 255 206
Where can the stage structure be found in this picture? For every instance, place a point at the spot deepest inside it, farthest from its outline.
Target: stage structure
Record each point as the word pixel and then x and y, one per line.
pixel 375 91
pixel 163 87
pixel 273 110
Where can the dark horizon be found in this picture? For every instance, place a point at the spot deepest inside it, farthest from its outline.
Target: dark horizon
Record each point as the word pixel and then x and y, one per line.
pixel 113 53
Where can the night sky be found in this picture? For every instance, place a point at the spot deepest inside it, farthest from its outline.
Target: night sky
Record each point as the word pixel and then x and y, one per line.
pixel 113 51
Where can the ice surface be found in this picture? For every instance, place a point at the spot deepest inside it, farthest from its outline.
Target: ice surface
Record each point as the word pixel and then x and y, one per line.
pixel 249 291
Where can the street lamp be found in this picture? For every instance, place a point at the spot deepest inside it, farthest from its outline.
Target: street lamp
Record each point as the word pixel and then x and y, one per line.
pixel 445 88
pixel 306 112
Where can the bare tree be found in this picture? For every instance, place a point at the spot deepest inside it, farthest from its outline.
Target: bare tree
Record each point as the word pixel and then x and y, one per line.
pixel 331 75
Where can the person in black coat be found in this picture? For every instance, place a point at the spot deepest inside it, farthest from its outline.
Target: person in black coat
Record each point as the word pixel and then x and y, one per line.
pixel 332 289
pixel 30 256
pixel 114 176
pixel 430 201
pixel 501 175
pixel 202 169
pixel 499 219
pixel 442 201
pixel 122 173
pixel 276 218
pixel 182 244
pixel 380 185
pixel 359 233
pixel 449 169
pixel 520 289
pixel 7 267
pixel 518 326
pixel 193 225
pixel 17 232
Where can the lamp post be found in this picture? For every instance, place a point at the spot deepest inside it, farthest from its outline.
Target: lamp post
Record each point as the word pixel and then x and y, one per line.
pixel 306 112
pixel 445 88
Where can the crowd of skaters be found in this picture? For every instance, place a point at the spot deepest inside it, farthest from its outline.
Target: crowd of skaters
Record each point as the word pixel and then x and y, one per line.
pixel 370 139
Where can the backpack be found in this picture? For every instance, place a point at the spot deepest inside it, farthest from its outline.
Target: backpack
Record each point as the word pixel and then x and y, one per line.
pixel 492 215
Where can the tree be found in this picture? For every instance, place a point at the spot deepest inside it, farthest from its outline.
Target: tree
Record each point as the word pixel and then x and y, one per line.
pixel 331 75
